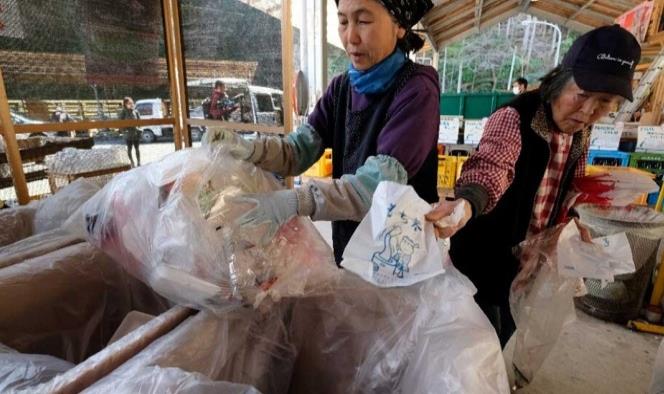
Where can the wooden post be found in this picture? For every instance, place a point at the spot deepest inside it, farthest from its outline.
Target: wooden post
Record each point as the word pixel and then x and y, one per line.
pixel 287 63
pixel 287 69
pixel 176 72
pixel 12 151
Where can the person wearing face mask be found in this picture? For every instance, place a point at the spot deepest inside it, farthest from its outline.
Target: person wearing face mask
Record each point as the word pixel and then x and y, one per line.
pixel 520 86
pixel 531 151
pixel 380 118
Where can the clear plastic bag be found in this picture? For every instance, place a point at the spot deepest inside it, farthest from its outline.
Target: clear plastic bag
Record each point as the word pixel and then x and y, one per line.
pixel 24 371
pixel 243 346
pixel 56 209
pixel 158 380
pixel 16 223
pixel 68 303
pixel 541 302
pixel 171 224
pixel 427 338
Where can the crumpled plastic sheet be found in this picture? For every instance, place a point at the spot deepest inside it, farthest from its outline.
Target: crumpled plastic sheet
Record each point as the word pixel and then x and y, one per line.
pixel 68 303
pixel 16 223
pixel 23 371
pixel 242 346
pixel 53 211
pixel 171 224
pixel 158 380
pixel 427 338
pixel 541 302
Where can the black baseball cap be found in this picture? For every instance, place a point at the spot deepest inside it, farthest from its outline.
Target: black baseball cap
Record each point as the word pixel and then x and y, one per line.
pixel 604 59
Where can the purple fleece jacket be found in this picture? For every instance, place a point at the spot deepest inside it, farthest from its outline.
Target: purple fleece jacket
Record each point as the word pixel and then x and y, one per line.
pixel 413 116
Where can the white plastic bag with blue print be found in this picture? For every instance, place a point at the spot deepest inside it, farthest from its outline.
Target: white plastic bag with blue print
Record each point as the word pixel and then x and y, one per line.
pixel 394 245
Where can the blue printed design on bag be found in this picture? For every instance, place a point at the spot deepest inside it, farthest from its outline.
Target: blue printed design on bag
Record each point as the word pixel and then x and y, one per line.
pixel 397 251
pixel 390 210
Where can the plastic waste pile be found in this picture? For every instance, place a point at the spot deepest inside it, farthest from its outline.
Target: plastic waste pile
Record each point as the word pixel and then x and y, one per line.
pixel 172 225
pixel 314 328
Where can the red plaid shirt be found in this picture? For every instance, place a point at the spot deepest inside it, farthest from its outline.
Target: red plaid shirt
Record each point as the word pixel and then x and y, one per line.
pixel 492 166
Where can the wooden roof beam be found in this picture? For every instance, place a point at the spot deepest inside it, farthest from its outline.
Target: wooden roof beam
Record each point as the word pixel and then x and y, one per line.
pixel 580 10
pixel 443 39
pixel 499 13
pixel 454 20
pixel 553 18
pixel 463 19
pixel 442 11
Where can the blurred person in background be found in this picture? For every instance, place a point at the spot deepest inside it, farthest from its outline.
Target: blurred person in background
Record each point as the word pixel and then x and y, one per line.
pixel 132 133
pixel 520 86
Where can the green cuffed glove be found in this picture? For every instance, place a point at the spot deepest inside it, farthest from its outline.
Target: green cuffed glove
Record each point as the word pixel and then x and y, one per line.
pixel 274 209
pixel 237 146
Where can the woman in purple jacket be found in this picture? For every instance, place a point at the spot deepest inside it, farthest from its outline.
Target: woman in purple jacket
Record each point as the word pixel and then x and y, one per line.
pixel 380 118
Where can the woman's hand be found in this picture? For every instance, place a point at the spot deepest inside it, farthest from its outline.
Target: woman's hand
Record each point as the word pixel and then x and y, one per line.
pixel 448 217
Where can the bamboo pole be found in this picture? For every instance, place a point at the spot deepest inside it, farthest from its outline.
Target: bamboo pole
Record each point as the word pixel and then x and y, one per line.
pixel 176 71
pixel 287 69
pixel 11 146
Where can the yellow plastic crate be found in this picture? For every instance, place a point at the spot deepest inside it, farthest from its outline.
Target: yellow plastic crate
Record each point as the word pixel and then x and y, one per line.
pixel 460 162
pixel 323 167
pixel 447 166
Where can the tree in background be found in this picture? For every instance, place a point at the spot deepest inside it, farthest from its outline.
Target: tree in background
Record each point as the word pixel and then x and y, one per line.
pixel 485 58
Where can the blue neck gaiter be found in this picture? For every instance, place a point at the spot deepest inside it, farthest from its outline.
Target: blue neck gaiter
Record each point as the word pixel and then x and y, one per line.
pixel 378 78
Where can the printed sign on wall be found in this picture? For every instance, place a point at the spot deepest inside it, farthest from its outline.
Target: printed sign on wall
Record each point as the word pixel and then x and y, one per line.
pixel 448 129
pixel 651 139
pixel 605 136
pixel 473 130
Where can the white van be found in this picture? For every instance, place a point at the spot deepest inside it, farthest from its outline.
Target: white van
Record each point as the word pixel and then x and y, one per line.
pixel 155 109
pixel 256 104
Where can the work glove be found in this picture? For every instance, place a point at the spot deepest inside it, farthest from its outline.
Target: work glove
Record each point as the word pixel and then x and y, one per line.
pixel 273 209
pixel 238 147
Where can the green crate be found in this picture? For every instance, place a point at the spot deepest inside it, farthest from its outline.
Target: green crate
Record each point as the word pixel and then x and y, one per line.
pixel 653 162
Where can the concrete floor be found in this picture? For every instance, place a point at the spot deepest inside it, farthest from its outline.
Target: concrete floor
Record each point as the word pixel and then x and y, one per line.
pixel 592 356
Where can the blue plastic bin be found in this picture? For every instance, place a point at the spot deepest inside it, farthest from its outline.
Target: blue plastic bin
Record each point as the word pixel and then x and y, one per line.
pixel 608 158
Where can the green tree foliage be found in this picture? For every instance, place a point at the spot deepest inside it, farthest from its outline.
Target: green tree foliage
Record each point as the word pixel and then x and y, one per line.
pixel 486 58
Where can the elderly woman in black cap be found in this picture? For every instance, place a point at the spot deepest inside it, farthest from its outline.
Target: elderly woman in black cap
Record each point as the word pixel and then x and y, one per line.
pixel 380 118
pixel 529 154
